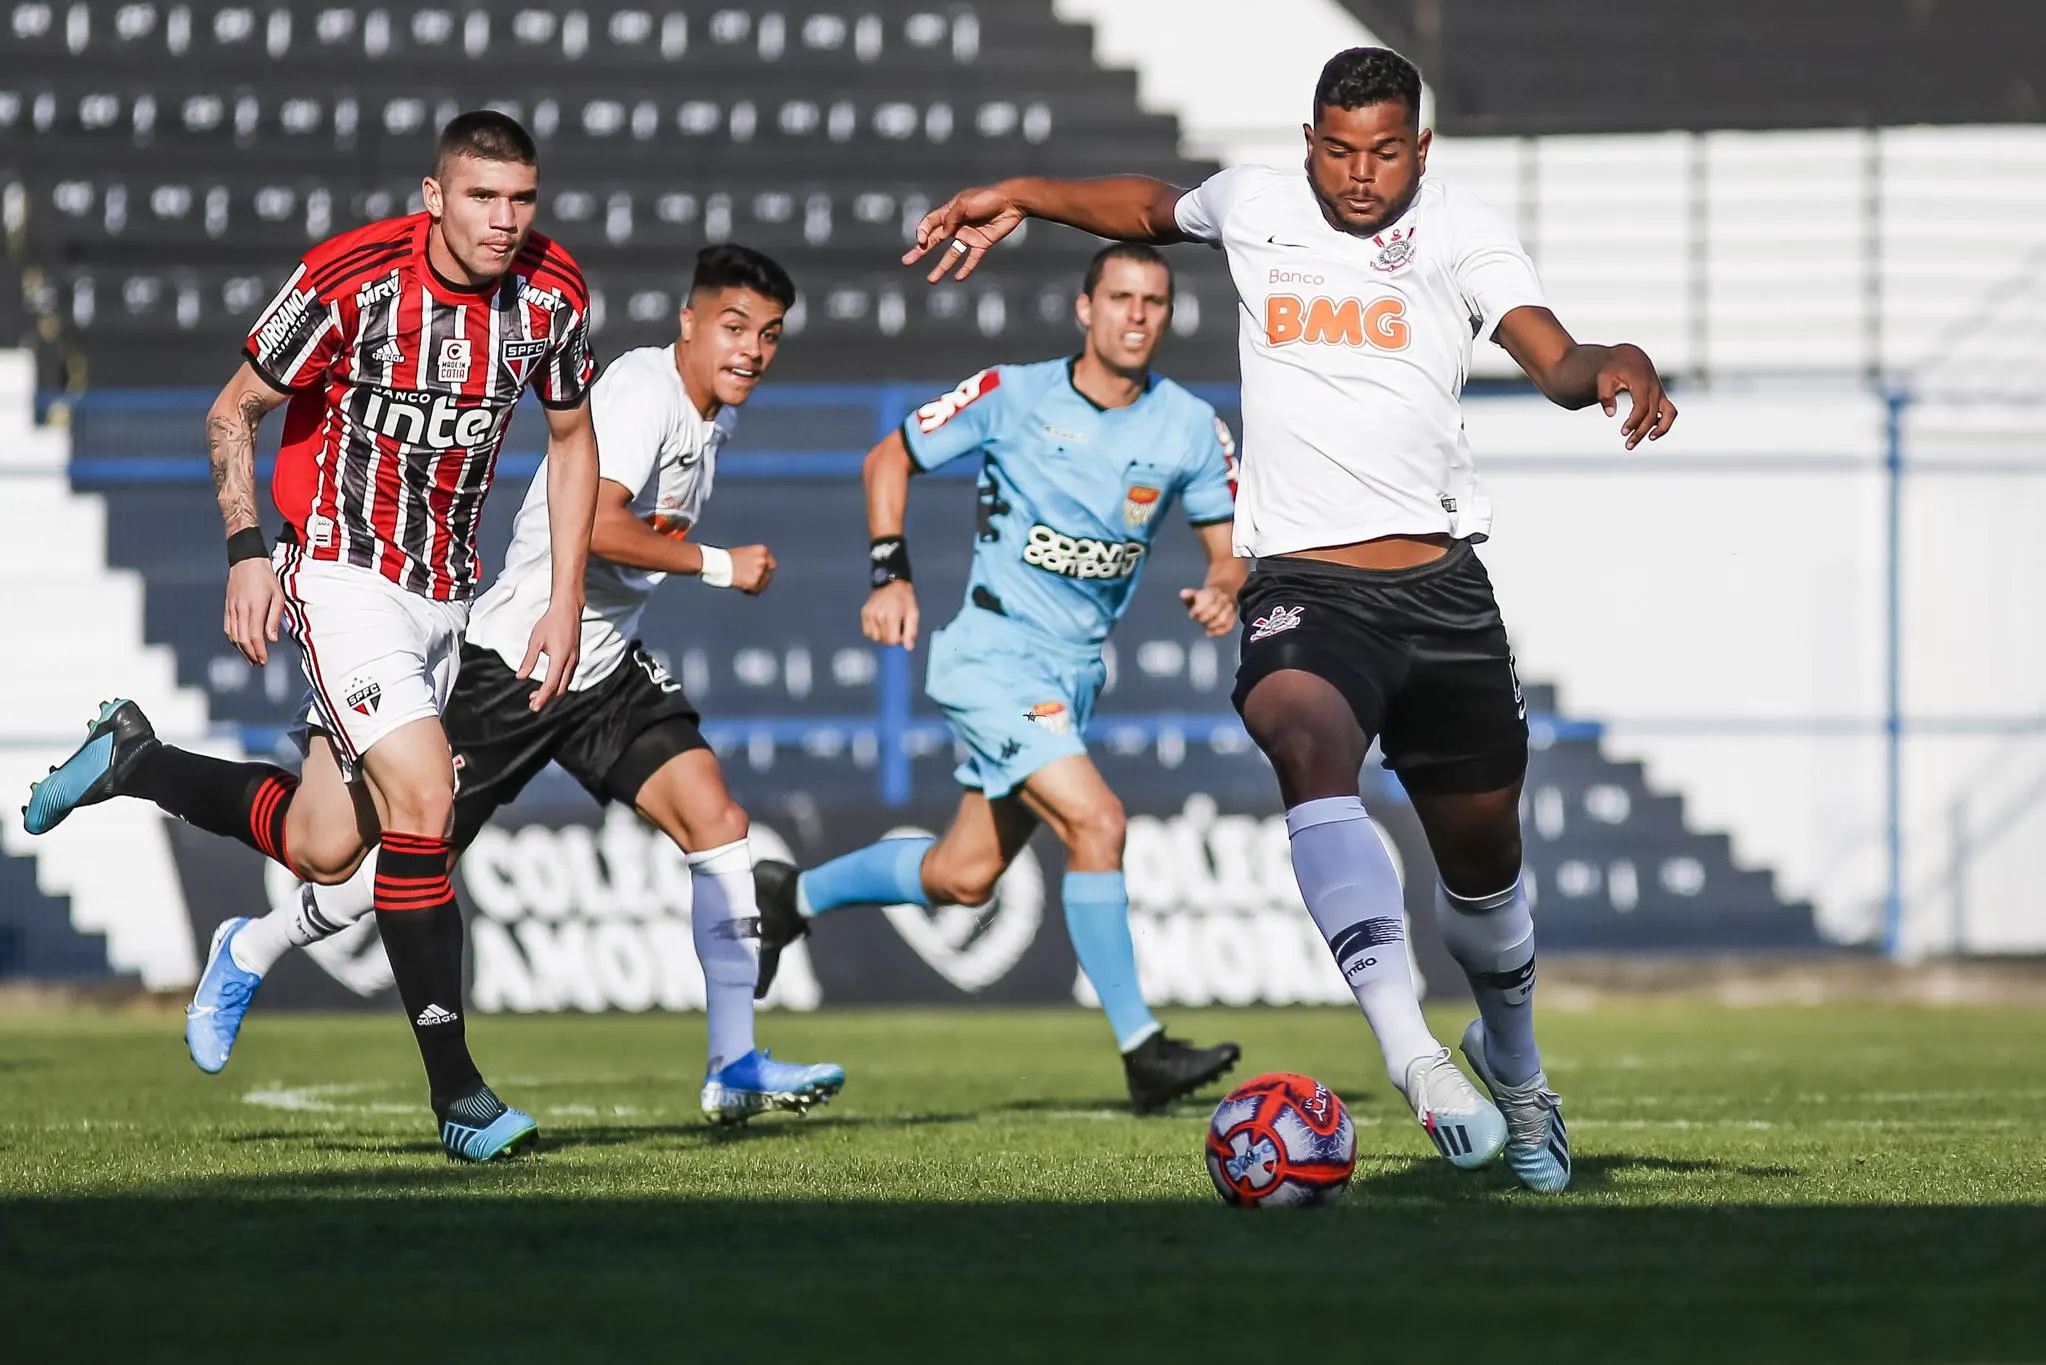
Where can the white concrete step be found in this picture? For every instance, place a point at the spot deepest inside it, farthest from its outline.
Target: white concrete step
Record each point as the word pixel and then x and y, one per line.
pixel 57 714
pixel 74 630
pixel 45 528
pixel 70 608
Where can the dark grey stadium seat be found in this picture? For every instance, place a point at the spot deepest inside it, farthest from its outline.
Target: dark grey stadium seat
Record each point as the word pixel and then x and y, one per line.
pixel 167 162
pixel 1592 66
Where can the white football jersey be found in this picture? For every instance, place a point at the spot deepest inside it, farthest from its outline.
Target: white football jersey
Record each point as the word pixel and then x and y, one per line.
pixel 651 439
pixel 1354 353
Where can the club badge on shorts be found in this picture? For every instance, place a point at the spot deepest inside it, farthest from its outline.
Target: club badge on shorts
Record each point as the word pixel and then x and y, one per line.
pixel 1139 505
pixel 1272 622
pixel 363 696
pixel 453 365
pixel 1052 715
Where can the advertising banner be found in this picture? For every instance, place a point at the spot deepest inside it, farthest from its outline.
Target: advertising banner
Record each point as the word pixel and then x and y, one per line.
pixel 576 909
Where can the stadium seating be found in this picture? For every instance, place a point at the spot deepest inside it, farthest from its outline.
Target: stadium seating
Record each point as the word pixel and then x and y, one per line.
pixel 1605 66
pixel 162 164
pixel 165 164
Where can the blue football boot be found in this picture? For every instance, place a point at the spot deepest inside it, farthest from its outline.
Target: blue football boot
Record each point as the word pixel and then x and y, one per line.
pixel 756 1083
pixel 481 1127
pixel 214 1018
pixel 1537 1143
pixel 115 741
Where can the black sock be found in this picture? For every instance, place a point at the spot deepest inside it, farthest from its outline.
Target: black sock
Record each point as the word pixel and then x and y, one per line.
pixel 244 801
pixel 422 930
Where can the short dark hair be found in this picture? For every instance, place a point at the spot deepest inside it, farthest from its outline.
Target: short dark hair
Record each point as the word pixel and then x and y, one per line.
pixel 730 266
pixel 1140 252
pixel 488 136
pixel 1368 75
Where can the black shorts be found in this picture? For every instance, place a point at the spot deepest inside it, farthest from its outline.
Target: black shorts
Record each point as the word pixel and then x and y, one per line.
pixel 1420 654
pixel 611 737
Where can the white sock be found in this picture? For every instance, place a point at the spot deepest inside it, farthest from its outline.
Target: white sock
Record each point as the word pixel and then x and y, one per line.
pixel 1351 889
pixel 1492 939
pixel 725 923
pixel 317 912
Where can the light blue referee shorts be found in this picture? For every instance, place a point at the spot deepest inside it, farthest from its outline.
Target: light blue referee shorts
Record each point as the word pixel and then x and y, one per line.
pixel 1015 696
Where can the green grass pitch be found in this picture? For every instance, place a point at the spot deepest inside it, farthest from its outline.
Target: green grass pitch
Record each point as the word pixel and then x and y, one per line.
pixel 1755 1185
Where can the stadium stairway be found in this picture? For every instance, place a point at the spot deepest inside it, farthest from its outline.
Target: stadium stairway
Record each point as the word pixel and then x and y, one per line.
pixel 74 627
pixel 1612 865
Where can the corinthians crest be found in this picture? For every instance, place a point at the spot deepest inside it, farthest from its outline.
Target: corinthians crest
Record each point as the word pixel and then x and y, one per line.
pixel 1396 249
pixel 1139 504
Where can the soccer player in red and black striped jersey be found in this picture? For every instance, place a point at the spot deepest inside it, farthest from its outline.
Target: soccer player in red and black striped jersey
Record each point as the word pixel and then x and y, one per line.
pixel 398 351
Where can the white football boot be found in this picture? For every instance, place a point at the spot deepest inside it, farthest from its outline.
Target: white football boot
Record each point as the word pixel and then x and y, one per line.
pixel 1465 1127
pixel 1537 1144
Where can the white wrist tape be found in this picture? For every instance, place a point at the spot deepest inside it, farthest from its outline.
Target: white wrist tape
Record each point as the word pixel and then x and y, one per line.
pixel 717 567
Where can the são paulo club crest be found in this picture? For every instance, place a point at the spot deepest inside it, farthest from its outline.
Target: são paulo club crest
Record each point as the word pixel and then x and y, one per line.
pixel 1139 505
pixel 363 696
pixel 1396 249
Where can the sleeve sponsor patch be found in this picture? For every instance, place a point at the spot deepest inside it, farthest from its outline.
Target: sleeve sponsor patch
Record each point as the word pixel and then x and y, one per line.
pixel 284 343
pixel 944 408
pixel 1228 444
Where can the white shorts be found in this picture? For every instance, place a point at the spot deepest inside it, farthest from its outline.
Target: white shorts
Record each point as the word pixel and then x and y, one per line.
pixel 376 656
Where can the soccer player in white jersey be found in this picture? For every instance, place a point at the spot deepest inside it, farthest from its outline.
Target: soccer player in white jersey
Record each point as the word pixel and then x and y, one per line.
pixel 623 728
pixel 1362 286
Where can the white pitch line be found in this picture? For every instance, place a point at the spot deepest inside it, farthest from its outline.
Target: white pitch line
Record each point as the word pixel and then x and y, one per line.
pixel 317 1099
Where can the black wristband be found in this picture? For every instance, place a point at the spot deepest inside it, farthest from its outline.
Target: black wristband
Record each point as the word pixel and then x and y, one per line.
pixel 247 543
pixel 888 560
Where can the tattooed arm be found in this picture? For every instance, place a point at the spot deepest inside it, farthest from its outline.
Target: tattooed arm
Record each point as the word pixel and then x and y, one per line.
pixel 255 602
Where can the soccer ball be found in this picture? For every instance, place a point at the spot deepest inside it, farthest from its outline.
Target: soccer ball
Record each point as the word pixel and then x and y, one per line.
pixel 1283 1141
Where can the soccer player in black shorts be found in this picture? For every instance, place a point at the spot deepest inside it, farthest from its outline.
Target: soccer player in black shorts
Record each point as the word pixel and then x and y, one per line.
pixel 623 727
pixel 1363 285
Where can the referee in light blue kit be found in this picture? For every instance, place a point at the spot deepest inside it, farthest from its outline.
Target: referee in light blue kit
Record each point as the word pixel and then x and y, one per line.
pixel 1084 457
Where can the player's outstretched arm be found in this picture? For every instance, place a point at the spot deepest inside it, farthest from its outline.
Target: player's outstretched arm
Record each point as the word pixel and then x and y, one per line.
pixel 623 538
pixel 255 602
pixel 571 509
pixel 890 615
pixel 1573 375
pixel 1213 604
pixel 1130 208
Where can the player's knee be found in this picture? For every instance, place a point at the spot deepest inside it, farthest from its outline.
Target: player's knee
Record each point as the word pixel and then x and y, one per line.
pixel 426 808
pixel 1096 834
pixel 328 861
pixel 1309 732
pixel 1307 761
pixel 710 824
pixel 968 882
pixel 1480 866
pixel 726 824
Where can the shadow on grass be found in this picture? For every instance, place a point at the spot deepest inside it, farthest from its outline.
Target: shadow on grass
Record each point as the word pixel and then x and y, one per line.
pixel 560 1136
pixel 1427 1178
pixel 415 1256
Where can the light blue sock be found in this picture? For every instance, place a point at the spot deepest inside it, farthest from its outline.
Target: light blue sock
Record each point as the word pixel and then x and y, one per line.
pixel 1098 921
pixel 886 873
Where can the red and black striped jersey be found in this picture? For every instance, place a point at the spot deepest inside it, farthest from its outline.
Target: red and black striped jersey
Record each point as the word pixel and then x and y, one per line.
pixel 403 385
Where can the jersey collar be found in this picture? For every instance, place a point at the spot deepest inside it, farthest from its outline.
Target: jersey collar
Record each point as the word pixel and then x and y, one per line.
pixel 439 285
pixel 1150 383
